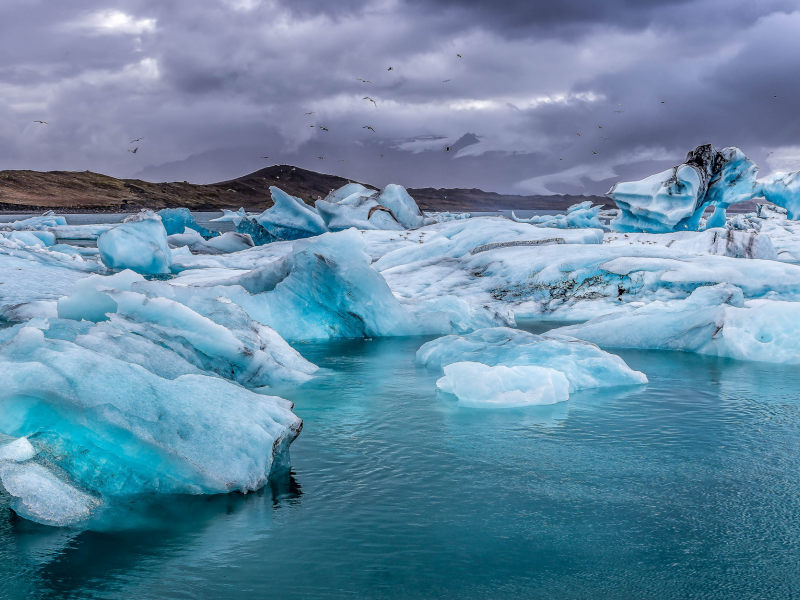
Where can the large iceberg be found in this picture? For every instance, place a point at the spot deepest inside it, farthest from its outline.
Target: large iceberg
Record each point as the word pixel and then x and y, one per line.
pixel 140 244
pixel 103 428
pixel 584 364
pixel 675 199
pixel 356 206
pixel 713 320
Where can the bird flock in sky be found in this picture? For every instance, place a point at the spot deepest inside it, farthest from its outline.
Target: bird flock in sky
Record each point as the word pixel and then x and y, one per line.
pixel 370 128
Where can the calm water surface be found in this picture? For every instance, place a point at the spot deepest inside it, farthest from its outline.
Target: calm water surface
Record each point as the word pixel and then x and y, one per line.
pixel 685 488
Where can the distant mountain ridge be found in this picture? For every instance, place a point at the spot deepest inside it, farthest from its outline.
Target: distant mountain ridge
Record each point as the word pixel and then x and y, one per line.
pixel 70 191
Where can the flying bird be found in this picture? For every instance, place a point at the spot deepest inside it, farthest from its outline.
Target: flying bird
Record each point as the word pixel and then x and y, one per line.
pixel 663 102
pixel 459 56
pixel 599 126
pixel 605 138
pixel 560 159
pixel 321 157
pixel 363 80
pixel 134 151
pixel 371 100
pixel 137 140
pixel 311 113
pixel 445 81
pixel 342 160
pixel 390 69
pixel 323 128
pixel 770 154
pixel 593 152
pixel 265 157
pixel 578 134
pixel 42 122
pixel 447 149
pixel 368 127
pixel 619 111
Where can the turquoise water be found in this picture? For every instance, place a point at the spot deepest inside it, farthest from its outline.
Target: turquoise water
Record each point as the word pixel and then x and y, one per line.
pixel 685 488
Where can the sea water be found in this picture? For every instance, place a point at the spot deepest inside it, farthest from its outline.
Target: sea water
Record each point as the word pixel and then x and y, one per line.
pixel 684 488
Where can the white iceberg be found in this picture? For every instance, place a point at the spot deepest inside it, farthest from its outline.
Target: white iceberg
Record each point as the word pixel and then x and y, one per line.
pixel 578 216
pixel 480 386
pixel 49 219
pixel 585 365
pixel 140 244
pixel 229 216
pixel 402 206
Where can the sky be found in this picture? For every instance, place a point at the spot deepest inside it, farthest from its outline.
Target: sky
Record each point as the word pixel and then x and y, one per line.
pixel 533 97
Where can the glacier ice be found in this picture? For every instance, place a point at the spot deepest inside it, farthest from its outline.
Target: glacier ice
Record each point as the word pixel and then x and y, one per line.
pixel 675 199
pixel 86 302
pixel 713 320
pixel 49 219
pixel 353 205
pixel 103 428
pixel 230 216
pixel 176 220
pixel 584 364
pixel 782 189
pixel 140 244
pixel 230 241
pixel 402 206
pixel 578 215
pixel 290 218
pixel 480 386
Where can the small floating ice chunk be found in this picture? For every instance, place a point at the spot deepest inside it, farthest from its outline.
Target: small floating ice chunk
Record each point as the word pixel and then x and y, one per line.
pixel 139 244
pixel 290 218
pixel 176 220
pixel 584 364
pixel 229 216
pixel 480 386
pixel 39 495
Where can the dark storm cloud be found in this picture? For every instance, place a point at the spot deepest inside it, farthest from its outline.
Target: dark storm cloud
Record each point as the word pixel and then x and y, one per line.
pixel 213 85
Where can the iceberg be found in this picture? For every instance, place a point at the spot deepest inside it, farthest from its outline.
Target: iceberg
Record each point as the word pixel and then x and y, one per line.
pixel 176 220
pixel 584 365
pixel 479 386
pixel 47 220
pixel 290 218
pixel 675 199
pixel 140 244
pixel 103 429
pixel 782 189
pixel 229 216
pixel 402 206
pixel 719 242
pixel 714 320
pixel 324 288
pixel 229 241
pixel 578 216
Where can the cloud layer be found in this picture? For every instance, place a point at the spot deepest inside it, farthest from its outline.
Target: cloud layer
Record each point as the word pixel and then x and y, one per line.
pixel 214 85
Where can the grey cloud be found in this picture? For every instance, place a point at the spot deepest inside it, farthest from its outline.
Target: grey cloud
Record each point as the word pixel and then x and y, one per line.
pixel 213 88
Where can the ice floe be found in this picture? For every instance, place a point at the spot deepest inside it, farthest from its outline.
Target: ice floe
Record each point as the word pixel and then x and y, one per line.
pixel 140 244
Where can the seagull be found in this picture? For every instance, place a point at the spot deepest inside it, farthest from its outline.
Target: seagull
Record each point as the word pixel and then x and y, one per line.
pixel 445 81
pixel 605 138
pixel 137 140
pixel 599 126
pixel 265 157
pixel 323 128
pixel 447 149
pixel 342 160
pixel 560 159
pixel 663 102
pixel 390 69
pixel 134 150
pixel 619 111
pixel 321 157
pixel 311 113
pixel 381 155
pixel 578 134
pixel 593 152
pixel 770 154
pixel 459 56
pixel 368 127
pixel 371 100
pixel 363 80
pixel 42 122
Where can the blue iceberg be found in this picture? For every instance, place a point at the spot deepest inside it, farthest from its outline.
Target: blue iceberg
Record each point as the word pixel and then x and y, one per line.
pixel 176 220
pixel 139 244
